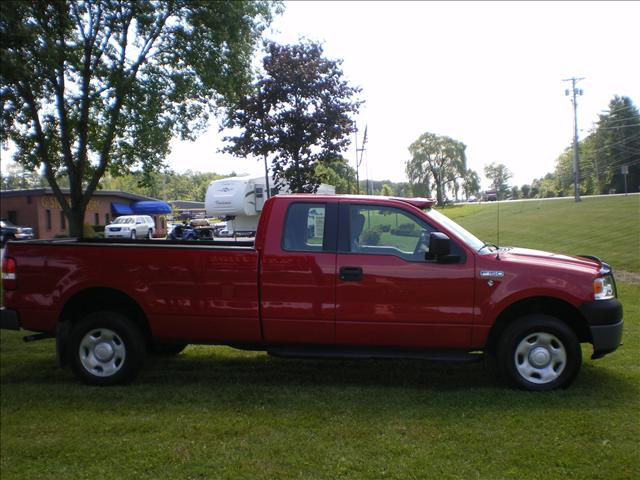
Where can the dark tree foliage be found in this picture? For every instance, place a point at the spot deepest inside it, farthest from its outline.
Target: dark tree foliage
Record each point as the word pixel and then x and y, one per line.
pixel 299 114
pixel 613 146
pixel 88 87
pixel 337 173
pixel 616 144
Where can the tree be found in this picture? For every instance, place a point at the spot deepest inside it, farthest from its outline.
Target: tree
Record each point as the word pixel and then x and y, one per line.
pixel 165 184
pixel 616 143
pixel 337 173
pixel 18 177
pixel 88 87
pixel 386 190
pixel 436 160
pixel 526 190
pixel 499 175
pixel 299 113
pixel 471 184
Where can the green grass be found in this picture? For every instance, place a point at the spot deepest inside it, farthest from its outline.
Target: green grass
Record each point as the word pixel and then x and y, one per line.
pixel 214 412
pixel 607 227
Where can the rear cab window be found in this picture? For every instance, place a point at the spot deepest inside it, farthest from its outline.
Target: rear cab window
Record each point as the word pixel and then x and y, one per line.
pixel 309 227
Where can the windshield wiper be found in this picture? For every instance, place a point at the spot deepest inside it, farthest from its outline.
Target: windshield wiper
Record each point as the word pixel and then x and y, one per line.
pixel 488 245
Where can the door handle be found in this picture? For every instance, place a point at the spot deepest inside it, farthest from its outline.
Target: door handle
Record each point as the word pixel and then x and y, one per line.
pixel 351 274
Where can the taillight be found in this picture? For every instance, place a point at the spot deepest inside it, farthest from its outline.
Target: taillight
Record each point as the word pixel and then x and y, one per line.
pixel 9 273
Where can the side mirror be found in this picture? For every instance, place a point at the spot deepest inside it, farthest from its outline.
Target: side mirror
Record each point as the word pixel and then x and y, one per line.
pixel 440 249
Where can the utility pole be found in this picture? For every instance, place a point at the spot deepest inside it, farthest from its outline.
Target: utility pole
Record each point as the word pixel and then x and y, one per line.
pixel 359 160
pixel 357 164
pixel 574 92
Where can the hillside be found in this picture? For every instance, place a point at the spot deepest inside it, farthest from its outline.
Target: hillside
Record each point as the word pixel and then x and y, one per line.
pixel 607 227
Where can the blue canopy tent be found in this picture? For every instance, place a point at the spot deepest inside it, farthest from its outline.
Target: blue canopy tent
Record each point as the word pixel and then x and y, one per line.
pixel 121 209
pixel 151 207
pixel 143 207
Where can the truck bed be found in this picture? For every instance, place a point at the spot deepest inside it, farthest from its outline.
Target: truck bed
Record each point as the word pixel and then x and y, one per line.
pixel 210 288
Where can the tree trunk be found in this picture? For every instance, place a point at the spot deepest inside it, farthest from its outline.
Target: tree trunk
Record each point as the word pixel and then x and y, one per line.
pixel 439 192
pixel 76 221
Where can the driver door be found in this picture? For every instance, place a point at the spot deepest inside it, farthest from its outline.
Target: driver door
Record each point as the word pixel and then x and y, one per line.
pixel 388 294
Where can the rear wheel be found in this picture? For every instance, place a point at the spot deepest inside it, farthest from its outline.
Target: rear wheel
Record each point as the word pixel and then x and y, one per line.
pixel 133 234
pixel 105 348
pixel 149 234
pixel 539 353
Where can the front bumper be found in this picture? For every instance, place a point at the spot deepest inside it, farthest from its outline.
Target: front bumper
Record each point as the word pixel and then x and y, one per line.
pixel 9 319
pixel 604 318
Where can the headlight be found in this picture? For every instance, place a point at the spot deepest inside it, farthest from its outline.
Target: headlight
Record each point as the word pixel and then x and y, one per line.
pixel 603 288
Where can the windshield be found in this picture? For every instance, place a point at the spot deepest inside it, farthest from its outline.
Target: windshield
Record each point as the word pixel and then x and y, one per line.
pixel 123 220
pixel 467 237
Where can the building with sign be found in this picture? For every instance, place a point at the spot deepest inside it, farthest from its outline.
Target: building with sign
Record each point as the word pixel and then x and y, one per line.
pixel 38 208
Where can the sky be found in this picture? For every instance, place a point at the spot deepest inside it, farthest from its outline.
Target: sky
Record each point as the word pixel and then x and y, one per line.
pixel 488 74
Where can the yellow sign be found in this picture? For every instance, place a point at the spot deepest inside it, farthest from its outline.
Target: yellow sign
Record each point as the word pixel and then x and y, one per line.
pixel 50 202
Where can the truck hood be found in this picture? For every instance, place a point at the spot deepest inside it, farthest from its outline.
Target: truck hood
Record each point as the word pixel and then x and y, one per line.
pixel 552 260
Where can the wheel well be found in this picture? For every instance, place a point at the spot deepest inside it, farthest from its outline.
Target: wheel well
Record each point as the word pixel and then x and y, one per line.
pixel 542 305
pixel 96 299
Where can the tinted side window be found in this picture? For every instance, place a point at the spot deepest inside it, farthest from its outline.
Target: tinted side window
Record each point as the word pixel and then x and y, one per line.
pixel 388 231
pixel 304 228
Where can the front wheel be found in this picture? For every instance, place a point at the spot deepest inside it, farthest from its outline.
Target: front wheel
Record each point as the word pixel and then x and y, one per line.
pixel 106 348
pixel 133 234
pixel 539 353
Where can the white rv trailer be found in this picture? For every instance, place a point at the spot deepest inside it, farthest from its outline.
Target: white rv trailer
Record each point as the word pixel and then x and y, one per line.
pixel 240 201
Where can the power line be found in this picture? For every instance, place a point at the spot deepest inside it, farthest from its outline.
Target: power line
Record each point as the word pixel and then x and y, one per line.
pixel 618 126
pixel 621 109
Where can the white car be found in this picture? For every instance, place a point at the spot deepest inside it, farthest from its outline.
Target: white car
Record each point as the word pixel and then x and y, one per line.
pixel 131 226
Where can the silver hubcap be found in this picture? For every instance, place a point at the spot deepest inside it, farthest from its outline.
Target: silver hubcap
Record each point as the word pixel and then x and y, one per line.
pixel 540 357
pixel 102 352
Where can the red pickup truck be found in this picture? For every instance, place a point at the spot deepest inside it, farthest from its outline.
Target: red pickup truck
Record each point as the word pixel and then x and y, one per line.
pixel 327 276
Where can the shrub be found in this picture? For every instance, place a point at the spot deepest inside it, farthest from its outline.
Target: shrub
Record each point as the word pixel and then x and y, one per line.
pixel 370 237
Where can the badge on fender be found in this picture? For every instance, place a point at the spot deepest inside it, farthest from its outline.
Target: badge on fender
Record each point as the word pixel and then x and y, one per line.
pixel 491 274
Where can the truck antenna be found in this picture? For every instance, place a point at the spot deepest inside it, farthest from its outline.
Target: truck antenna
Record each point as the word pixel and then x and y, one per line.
pixel 498 226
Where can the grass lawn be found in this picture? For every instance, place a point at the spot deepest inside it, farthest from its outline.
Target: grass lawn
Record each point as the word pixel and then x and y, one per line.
pixel 214 412
pixel 607 227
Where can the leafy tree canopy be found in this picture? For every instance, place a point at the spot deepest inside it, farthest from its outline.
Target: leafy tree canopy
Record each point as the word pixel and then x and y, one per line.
pixel 299 114
pixel 613 143
pixel 499 175
pixel 436 161
pixel 88 87
pixel 337 173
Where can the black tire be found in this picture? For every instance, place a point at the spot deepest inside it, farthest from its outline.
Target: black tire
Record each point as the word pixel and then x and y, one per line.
pixel 149 235
pixel 105 348
pixel 161 349
pixel 133 235
pixel 539 353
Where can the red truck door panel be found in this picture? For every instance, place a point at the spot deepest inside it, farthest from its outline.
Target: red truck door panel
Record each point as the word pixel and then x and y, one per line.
pixel 387 294
pixel 298 276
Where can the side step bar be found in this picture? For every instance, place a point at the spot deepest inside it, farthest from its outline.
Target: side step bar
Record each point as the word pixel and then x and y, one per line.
pixel 375 353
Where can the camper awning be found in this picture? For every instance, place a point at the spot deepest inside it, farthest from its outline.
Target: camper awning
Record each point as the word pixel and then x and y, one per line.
pixel 151 207
pixel 121 209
